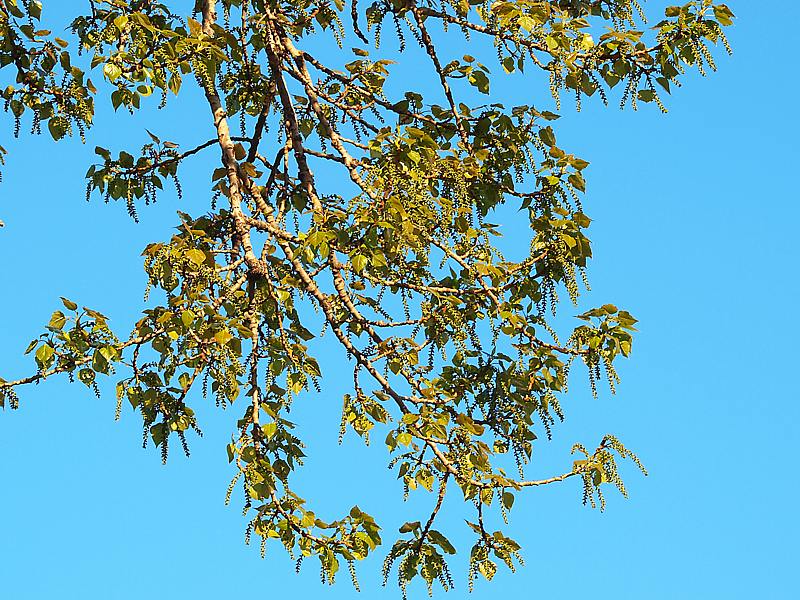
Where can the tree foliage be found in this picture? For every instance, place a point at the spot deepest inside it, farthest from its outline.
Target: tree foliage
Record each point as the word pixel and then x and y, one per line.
pixel 456 363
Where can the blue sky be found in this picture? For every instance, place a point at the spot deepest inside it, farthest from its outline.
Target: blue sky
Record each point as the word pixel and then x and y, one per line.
pixel 695 232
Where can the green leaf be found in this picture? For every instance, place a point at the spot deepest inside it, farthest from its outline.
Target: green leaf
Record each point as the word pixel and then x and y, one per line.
pixel 577 180
pixel 269 429
pixel 198 257
pixel 69 304
pixel 175 83
pixel 723 14
pixel 194 27
pixel 58 320
pixel 410 526
pixel 120 22
pixel 100 362
pixel 359 261
pixel 86 376
pixel 35 9
pixel 44 356
pixel 441 541
pixel 112 71
pixel 526 23
pixel 479 80
pixel 187 318
pixel 57 128
pixel 159 433
pixel 547 136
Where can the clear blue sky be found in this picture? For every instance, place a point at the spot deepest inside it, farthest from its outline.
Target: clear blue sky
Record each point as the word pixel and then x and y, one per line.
pixel 695 232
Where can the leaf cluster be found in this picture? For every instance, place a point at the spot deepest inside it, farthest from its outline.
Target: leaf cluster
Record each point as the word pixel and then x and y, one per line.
pixel 456 360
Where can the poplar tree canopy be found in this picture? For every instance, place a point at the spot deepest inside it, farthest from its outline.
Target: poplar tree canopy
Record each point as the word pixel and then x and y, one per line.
pixel 456 362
